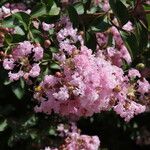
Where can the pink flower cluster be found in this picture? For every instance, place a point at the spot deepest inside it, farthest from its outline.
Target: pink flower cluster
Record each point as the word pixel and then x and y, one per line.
pixel 74 140
pixel 118 51
pixel 88 84
pixel 68 37
pixel 24 61
pixel 9 9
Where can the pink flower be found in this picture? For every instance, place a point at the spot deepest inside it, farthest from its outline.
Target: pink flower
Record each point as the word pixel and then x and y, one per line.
pixel 23 49
pixel 8 64
pixel 134 73
pixel 46 26
pixel 25 57
pixel 129 109
pixel 144 86
pixel 128 26
pixel 125 54
pixel 88 83
pixel 15 76
pixel 35 71
pixel 62 94
pixel 38 53
pixel 106 6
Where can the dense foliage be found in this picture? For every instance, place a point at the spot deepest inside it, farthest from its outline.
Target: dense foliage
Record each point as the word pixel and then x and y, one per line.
pixel 70 70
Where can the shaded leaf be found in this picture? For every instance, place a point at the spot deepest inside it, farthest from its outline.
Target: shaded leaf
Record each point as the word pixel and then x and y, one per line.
pixel 120 11
pixel 3 125
pixel 73 16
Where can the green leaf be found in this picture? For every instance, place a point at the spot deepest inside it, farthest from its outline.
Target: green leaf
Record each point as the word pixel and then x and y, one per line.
pixel 91 40
pixel 33 134
pixel 49 19
pixel 101 27
pixel 147 8
pixel 148 20
pixel 79 7
pixel 22 83
pixel 142 35
pixel 31 121
pixel 8 38
pixel 73 15
pixel 54 49
pixel 19 31
pixel 120 11
pixel 131 43
pixel 18 91
pixel 23 19
pixel 52 131
pixel 18 38
pixel 7 82
pixel 39 10
pixel 8 22
pixel 87 4
pixel 54 66
pixel 54 11
pixel 3 125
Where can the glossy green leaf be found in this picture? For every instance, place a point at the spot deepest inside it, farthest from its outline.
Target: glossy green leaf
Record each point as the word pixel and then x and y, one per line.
pixel 54 11
pixel 39 10
pixel 101 27
pixel 120 11
pixel 73 16
pixel 130 41
pixel 18 91
pixel 91 40
pixel 3 125
pixel 54 66
pixel 22 18
pixel 79 8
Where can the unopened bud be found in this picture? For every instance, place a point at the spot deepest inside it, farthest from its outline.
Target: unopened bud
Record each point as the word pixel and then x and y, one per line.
pixel 2 35
pixel 58 74
pixel 140 66
pixel 81 33
pixel 117 88
pixel 127 105
pixel 75 52
pixel 47 43
pixel 58 27
pixel 70 88
pixel 9 56
pixel 2 54
pixel 37 44
pixel 112 101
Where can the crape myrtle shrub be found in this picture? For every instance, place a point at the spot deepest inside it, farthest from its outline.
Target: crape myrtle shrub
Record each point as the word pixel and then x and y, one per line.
pixel 74 74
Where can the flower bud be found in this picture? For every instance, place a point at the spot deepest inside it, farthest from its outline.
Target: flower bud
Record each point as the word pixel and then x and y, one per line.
pixel 81 33
pixel 47 43
pixel 2 35
pixel 58 74
pixel 37 45
pixel 140 66
pixel 117 88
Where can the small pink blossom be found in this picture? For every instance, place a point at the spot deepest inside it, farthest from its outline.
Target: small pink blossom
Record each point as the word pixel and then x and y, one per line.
pixel 8 64
pixel 38 53
pixel 35 71
pixel 134 73
pixel 144 86
pixel 46 26
pixel 15 76
pixel 128 26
